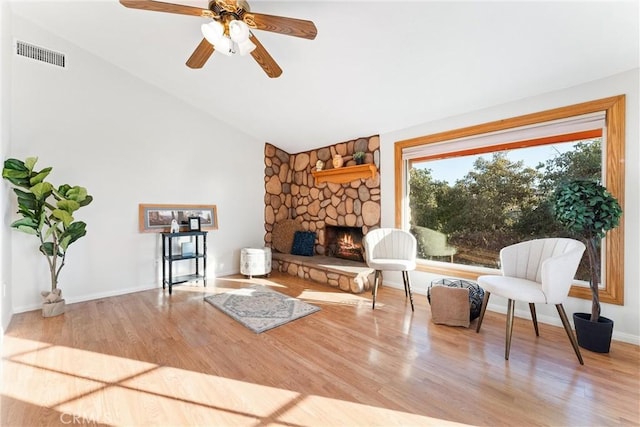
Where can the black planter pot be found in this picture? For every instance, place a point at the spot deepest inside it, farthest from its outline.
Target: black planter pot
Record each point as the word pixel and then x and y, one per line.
pixel 594 336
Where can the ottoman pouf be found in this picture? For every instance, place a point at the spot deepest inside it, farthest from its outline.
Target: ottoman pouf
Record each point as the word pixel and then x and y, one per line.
pixel 255 261
pixel 447 303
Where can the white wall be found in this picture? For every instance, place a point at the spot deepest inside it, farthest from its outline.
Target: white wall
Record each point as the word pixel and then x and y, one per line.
pixel 5 122
pixel 626 318
pixel 127 143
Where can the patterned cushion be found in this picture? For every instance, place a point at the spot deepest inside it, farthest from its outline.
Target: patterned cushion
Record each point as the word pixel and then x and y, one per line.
pixel 303 243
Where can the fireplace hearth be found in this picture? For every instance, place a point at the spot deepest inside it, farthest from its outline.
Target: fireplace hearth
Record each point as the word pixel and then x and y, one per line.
pixel 344 242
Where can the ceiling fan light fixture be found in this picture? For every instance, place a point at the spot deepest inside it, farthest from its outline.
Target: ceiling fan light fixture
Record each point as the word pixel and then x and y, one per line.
pixel 212 31
pixel 230 30
pixel 238 31
pixel 225 46
pixel 245 47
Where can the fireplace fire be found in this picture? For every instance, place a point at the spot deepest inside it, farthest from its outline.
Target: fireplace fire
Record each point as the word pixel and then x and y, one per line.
pixel 344 242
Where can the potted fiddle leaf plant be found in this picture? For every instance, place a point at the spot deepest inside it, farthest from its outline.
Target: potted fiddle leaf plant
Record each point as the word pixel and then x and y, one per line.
pixel 586 209
pixel 47 213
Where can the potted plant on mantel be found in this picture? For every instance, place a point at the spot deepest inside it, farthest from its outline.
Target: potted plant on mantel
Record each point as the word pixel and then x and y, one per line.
pixel 47 213
pixel 358 156
pixel 588 210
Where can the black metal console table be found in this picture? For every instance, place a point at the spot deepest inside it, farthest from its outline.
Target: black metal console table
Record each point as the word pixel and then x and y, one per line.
pixel 168 258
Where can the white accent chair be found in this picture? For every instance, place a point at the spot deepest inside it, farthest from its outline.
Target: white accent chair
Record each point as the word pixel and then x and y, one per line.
pixel 535 271
pixel 390 249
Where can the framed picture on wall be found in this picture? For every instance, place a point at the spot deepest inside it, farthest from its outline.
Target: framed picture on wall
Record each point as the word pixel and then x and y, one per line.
pixel 156 218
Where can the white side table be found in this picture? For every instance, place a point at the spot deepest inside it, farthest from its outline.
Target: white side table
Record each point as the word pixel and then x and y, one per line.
pixel 255 261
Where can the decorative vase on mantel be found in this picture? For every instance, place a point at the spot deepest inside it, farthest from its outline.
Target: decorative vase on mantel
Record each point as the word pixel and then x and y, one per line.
pixel 338 161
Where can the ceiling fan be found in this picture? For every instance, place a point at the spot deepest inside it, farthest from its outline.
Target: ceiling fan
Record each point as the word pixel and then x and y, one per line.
pixel 229 31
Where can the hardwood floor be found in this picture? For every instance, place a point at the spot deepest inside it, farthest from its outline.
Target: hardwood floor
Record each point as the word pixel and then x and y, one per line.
pixel 151 359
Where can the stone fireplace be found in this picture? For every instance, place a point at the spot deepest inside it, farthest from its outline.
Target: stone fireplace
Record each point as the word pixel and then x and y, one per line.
pixel 344 242
pixel 293 192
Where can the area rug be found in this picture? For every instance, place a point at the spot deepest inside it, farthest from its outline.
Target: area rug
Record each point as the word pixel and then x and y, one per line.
pixel 260 308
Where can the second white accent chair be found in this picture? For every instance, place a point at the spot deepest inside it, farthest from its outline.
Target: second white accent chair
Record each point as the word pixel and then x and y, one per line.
pixel 390 249
pixel 538 271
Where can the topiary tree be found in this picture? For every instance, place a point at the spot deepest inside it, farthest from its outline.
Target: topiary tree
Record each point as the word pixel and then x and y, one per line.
pixel 46 212
pixel 587 209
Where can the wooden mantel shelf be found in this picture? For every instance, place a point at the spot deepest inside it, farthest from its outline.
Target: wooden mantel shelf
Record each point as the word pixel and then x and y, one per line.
pixel 345 174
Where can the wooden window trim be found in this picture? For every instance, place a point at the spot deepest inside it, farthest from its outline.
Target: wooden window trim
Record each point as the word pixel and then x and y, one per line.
pixel 614 108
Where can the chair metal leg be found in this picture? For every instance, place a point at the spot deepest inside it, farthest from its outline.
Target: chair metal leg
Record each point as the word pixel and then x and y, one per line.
pixel 510 314
pixel 407 286
pixel 404 281
pixel 567 328
pixel 485 301
pixel 374 291
pixel 532 308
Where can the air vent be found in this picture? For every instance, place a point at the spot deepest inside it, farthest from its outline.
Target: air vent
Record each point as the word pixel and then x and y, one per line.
pixel 40 54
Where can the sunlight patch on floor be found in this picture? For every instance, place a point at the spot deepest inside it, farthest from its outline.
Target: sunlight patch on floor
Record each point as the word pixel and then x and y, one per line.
pixel 47 392
pixel 334 297
pixel 353 414
pixel 109 389
pixel 242 281
pixel 184 287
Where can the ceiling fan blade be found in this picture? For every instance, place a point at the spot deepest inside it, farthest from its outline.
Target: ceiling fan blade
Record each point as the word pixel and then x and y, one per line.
pixel 158 6
pixel 265 60
pixel 280 24
pixel 200 55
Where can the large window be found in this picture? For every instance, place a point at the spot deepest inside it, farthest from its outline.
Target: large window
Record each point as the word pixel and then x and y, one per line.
pixel 469 192
pixel 464 209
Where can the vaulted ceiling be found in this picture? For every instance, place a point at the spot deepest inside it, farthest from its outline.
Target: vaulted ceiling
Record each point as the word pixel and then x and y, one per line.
pixel 374 67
